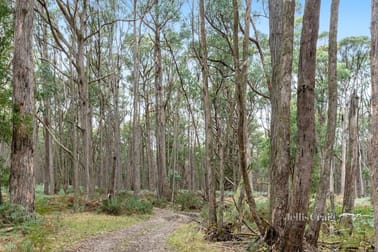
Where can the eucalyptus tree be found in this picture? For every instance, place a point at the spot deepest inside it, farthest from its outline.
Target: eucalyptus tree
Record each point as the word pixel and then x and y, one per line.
pixel 208 125
pixel 281 38
pixel 73 44
pixel 146 76
pixel 321 196
pixel 353 56
pixel 222 57
pixel 108 41
pixel 160 14
pixel 374 110
pixel 241 86
pixel 299 198
pixel 22 188
pixel 351 164
pixel 46 89
pixel 136 101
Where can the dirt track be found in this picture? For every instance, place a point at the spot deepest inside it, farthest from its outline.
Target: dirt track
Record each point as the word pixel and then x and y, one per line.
pixel 148 236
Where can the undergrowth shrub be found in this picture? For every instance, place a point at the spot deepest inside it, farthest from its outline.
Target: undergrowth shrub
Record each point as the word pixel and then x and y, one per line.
pixel 11 214
pixel 134 205
pixel 37 230
pixel 160 203
pixel 126 204
pixel 188 201
pixel 47 204
pixel 34 228
pixel 111 206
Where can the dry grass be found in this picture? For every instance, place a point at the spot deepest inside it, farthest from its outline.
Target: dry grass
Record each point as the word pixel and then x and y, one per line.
pixel 188 238
pixel 66 230
pixel 79 226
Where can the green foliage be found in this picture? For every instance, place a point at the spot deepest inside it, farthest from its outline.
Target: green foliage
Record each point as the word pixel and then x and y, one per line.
pixel 37 230
pixel 111 206
pixel 4 174
pixel 134 205
pixel 6 37
pixel 11 214
pixel 126 204
pixel 161 203
pixel 188 201
pixel 174 175
pixel 45 82
pixel 45 204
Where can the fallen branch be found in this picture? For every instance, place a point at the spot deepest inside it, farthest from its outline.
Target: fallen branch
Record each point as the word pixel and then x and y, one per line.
pixel 242 217
pixel 6 230
pixel 54 137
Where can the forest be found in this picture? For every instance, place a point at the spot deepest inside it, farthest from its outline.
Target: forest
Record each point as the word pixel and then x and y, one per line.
pixel 155 125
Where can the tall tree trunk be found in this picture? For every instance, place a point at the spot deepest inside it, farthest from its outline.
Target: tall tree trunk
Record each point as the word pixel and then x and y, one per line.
pixel 75 161
pixel 21 185
pixel 221 181
pixel 84 116
pixel 299 199
pixel 360 173
pixel 373 157
pixel 220 151
pixel 344 142
pixel 241 80
pixel 152 173
pixel 321 196
pixel 237 79
pixel 115 175
pixel 359 180
pixel 49 174
pixel 352 164
pixel 160 111
pixel 208 125
pixel 176 119
pixel 281 24
pixel 136 124
pixel 49 178
pixel 332 189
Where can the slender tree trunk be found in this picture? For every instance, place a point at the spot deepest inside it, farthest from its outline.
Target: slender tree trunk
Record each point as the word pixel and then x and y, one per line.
pixel 352 164
pixel 75 161
pixel 360 167
pixel 241 90
pixel 208 125
pixel 306 128
pixel 321 196
pixel 193 166
pixel 344 143
pixel 84 117
pixel 221 176
pixel 174 153
pixel 150 157
pixel 332 189
pixel 373 157
pixel 102 141
pixel 359 180
pixel 117 130
pixel 220 151
pixel 49 178
pixel 160 111
pixel 21 186
pixel 281 23
pixel 136 124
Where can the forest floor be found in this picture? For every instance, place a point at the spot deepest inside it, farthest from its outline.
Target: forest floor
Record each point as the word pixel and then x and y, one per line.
pixel 125 224
pixel 150 235
pixel 138 226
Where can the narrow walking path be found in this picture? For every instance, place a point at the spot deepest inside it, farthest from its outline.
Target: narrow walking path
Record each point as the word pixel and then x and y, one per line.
pixel 148 236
